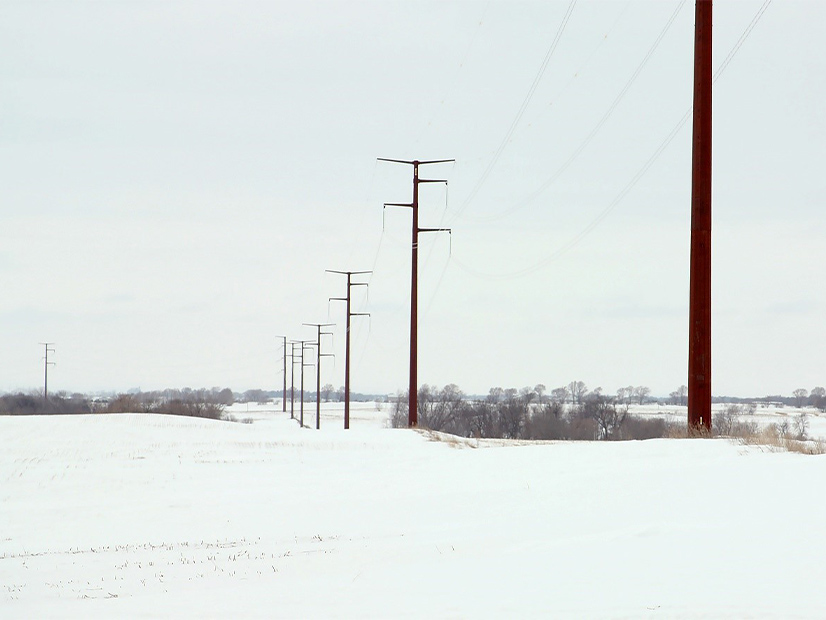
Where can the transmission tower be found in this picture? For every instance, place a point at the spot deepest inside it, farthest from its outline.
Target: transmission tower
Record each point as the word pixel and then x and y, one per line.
pixel 699 332
pixel 319 355
pixel 413 419
pixel 350 284
pixel 46 365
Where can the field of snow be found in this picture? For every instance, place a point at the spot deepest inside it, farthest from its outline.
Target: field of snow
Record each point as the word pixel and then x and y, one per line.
pixel 115 516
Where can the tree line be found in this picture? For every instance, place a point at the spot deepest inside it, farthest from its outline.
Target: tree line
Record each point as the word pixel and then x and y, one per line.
pixel 570 412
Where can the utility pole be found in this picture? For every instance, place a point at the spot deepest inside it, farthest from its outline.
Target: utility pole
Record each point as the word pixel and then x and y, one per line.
pixel 413 418
pixel 304 345
pixel 319 355
pixel 699 332
pixel 350 284
pixel 292 379
pixel 284 391
pixel 46 365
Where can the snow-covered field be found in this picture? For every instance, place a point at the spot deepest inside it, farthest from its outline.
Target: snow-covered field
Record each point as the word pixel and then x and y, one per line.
pixel 113 516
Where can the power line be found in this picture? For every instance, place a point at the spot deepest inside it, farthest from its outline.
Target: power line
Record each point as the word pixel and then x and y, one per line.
pixel 592 134
pixel 521 111
pixel 557 254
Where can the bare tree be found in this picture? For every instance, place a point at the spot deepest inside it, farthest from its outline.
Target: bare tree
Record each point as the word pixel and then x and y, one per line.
pixel 800 396
pixel 578 391
pixel 327 391
pixel 608 417
pixel 641 393
pixel 682 392
pixel 495 394
pixel 801 425
pixel 560 395
pixel 540 390
pixel 817 398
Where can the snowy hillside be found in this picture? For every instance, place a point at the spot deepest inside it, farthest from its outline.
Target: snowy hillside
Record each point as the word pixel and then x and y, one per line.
pixel 107 516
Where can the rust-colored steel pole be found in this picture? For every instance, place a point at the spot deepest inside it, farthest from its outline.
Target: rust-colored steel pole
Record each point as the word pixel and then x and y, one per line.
pixel 412 412
pixel 413 400
pixel 347 361
pixel 319 355
pixel 699 336
pixel 346 299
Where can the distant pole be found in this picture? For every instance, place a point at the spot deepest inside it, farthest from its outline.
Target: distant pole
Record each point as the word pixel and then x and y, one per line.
pixel 699 337
pixel 292 379
pixel 413 418
pixel 319 355
pixel 350 284
pixel 284 390
pixel 304 345
pixel 46 365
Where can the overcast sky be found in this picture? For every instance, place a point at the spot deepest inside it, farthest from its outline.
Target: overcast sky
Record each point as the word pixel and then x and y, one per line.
pixel 175 177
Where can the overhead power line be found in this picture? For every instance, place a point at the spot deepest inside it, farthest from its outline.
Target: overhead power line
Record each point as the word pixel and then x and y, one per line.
pixel 558 253
pixel 521 111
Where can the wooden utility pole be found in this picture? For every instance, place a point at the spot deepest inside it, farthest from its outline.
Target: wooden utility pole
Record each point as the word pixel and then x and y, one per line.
pixel 699 333
pixel 413 418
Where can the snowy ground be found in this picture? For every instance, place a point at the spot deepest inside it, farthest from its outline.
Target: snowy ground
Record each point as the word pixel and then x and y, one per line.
pixel 144 516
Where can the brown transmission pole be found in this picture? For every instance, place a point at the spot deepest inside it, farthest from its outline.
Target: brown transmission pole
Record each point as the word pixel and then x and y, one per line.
pixel 319 355
pixel 304 345
pixel 413 418
pixel 350 284
pixel 699 330
pixel 46 365
pixel 293 343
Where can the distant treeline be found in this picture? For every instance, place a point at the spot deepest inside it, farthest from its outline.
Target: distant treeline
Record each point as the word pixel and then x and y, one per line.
pixel 528 414
pixel 571 412
pixel 196 403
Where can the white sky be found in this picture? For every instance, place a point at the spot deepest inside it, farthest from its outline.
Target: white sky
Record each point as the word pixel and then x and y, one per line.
pixel 176 177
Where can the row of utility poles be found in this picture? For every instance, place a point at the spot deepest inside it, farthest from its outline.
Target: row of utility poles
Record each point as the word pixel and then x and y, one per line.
pixel 304 345
pixel 414 309
pixel 699 379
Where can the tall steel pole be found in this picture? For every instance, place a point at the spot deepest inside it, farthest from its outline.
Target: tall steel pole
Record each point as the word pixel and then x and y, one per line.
pixel 304 345
pixel 347 299
pixel 413 417
pixel 699 337
pixel 319 355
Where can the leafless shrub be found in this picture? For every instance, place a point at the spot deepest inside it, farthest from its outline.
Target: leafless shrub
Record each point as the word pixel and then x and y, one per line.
pixel 644 428
pixel 801 425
